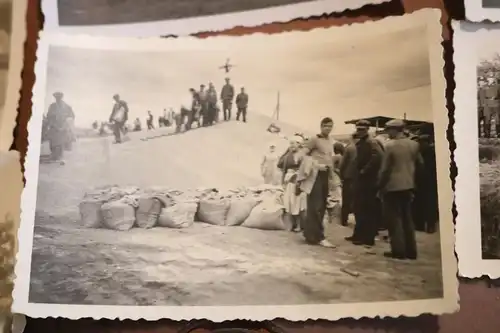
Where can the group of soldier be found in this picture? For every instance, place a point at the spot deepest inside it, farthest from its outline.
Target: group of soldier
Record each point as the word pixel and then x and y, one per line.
pixel 203 110
pixel 488 97
pixel 388 183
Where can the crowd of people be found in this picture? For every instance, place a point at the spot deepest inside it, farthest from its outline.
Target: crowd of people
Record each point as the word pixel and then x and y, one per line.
pixel 204 108
pixel 387 184
pixel 58 124
pixel 488 97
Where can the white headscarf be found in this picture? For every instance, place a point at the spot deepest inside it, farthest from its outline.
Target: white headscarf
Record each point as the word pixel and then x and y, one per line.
pixel 297 139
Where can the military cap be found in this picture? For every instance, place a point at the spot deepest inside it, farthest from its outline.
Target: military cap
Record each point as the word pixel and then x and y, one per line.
pixel 395 123
pixel 363 124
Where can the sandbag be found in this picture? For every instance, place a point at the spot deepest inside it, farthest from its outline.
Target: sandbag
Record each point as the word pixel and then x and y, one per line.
pixel 178 216
pixel 213 210
pixel 239 210
pixel 266 216
pixel 147 213
pixel 118 215
pixel 90 213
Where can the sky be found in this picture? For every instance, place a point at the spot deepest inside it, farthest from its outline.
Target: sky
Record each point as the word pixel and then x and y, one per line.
pixel 323 72
pixel 488 49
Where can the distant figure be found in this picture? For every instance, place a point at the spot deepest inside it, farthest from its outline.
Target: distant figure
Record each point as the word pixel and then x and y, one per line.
pixel 347 171
pixel 425 203
pixel 202 95
pixel 396 184
pixel 118 118
pixel 149 121
pixel 366 210
pixel 269 167
pixel 242 105
pixel 137 125
pixel 195 107
pixel 227 96
pixel 59 132
pixel 289 164
pixel 212 104
pixel 335 194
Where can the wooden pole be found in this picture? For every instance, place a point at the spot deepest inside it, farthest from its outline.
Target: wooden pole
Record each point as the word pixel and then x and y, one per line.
pixel 278 107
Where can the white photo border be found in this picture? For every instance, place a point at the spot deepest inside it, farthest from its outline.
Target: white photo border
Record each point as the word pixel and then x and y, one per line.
pixel 192 25
pixel 467 39
pixel 448 303
pixel 475 12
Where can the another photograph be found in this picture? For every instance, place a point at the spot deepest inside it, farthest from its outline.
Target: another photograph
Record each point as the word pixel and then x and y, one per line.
pixel 295 175
pixel 179 17
pixel 481 10
pixel 10 199
pixel 477 133
pixel 491 3
pixel 12 33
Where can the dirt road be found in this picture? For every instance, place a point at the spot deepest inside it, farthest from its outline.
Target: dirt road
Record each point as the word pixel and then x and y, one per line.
pixel 202 265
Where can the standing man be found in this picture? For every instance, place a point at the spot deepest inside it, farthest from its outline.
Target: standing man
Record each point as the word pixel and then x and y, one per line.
pixel 401 161
pixel 492 105
pixel 314 178
pixel 425 202
pixel 368 159
pixel 149 121
pixel 118 117
pixel 347 172
pixel 212 103
pixel 58 128
pixel 227 95
pixel 202 94
pixel 195 106
pixel 242 105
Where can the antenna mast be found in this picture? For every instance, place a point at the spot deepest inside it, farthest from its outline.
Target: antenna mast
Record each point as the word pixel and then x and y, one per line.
pixel 278 107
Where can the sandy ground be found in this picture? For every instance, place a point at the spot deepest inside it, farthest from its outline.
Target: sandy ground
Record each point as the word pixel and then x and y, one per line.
pixel 88 12
pixel 202 265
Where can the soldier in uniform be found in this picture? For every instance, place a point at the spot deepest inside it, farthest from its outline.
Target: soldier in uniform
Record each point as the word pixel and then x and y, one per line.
pixel 118 117
pixel 202 95
pixel 211 103
pixel 59 132
pixel 402 161
pixel 492 105
pixel 368 159
pixel 227 95
pixel 242 105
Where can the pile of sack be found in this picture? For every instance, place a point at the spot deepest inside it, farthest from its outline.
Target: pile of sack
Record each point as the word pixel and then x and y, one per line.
pixel 118 208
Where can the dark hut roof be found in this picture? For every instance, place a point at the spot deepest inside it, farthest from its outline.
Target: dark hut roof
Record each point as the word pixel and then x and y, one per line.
pixel 381 120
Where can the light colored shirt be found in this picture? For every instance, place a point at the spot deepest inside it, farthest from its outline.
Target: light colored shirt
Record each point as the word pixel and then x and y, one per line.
pixel 320 149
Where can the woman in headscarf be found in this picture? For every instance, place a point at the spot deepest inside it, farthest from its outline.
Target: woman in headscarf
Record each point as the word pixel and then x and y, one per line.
pixel 269 167
pixel 295 205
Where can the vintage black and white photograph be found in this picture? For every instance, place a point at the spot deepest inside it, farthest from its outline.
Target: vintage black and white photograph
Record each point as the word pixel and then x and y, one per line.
pixel 12 32
pixel 491 4
pixel 10 198
pixel 178 17
pixel 477 131
pixel 299 175
pixel 480 10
